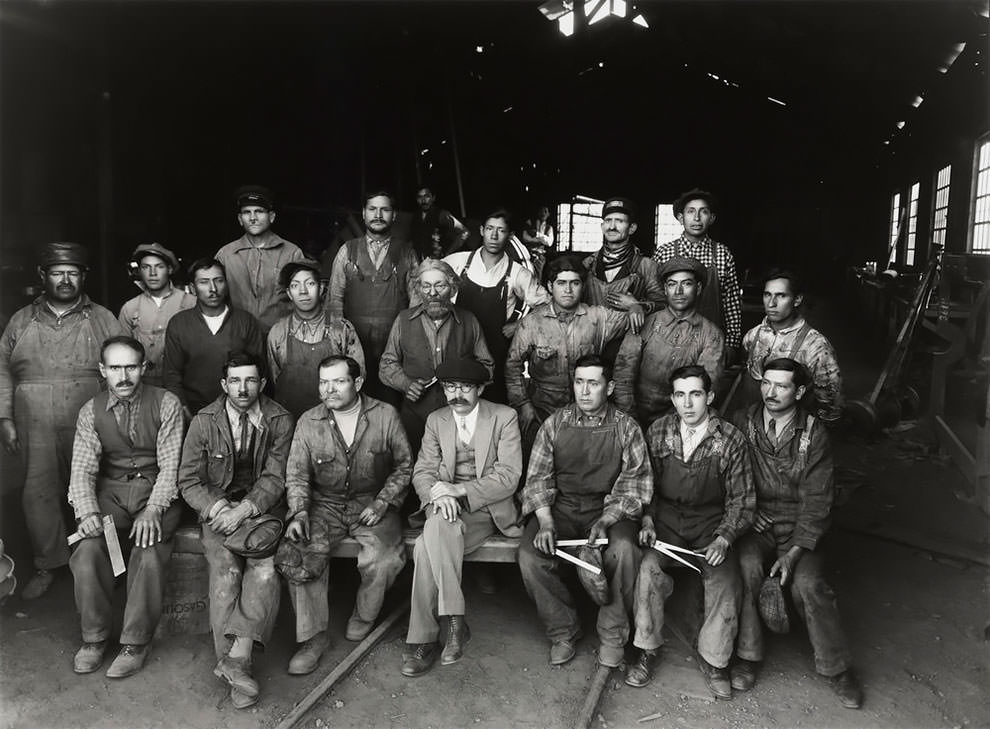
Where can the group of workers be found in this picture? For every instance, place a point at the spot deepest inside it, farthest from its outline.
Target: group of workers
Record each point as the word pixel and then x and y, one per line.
pixel 290 409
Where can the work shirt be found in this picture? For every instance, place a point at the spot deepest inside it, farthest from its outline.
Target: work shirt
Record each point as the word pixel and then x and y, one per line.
pixel 87 451
pixel 632 489
pixel 252 275
pixel 339 332
pixel 145 318
pixel 522 285
pixel 639 276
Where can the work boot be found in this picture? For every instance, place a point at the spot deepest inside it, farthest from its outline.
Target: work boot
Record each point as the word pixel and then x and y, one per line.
pixel 236 673
pixel 717 679
pixel 129 661
pixel 847 687
pixel 743 674
pixel 420 660
pixel 308 656
pixel 639 673
pixel 358 629
pixel 561 652
pixel 458 634
pixel 242 700
pixel 89 657
pixel 38 585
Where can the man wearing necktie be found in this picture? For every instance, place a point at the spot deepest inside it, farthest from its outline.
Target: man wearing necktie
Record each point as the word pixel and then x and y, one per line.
pixel 793 472
pixel 466 475
pixel 703 499
pixel 124 462
pixel 233 467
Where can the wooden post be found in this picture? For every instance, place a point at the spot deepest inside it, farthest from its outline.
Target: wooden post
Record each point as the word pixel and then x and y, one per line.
pixel 595 691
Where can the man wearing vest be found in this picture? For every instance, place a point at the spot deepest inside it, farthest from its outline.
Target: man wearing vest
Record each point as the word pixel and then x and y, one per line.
pixel 435 232
pixel 792 466
pixel 348 474
pixel 146 316
pixel 423 337
pixel 301 340
pixel 124 464
pixel 466 476
pixel 497 291
pixel 369 286
pixel 233 468
pixel 589 477
pixel 703 499
pixel 254 260
pixel 669 339
pixel 785 333
pixel 49 358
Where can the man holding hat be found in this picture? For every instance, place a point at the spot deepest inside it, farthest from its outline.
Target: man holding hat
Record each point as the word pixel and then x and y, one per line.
pixel 146 316
pixel 254 260
pixel 301 340
pixel 721 297
pixel 49 357
pixel 670 338
pixel 466 476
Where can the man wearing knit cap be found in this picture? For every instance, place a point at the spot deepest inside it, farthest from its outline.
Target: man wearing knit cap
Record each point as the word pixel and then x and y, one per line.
pixel 49 357
pixel 670 338
pixel 146 316
pixel 254 260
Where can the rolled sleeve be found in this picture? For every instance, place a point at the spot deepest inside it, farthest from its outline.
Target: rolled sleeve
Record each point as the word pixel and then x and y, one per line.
pixel 740 493
pixel 634 485
pixel 169 450
pixel 86 452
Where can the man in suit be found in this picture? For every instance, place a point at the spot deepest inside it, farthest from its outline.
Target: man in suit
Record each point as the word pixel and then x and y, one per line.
pixel 466 475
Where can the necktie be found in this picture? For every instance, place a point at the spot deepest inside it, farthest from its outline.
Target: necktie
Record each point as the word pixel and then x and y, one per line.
pixel 245 433
pixel 462 427
pixel 772 432
pixel 125 420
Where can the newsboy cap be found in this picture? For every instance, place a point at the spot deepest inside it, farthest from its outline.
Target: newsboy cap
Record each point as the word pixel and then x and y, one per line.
pixel 55 254
pixel 155 249
pixel 257 536
pixel 255 195
pixel 695 194
pixel 463 370
pixel 620 205
pixel 683 263
pixel 291 268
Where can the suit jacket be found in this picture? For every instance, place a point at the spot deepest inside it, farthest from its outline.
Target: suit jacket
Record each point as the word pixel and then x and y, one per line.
pixel 498 459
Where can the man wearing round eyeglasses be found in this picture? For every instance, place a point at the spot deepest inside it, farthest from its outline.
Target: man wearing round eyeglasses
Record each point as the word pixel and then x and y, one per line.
pixel 49 355
pixel 125 460
pixel 423 337
pixel 671 338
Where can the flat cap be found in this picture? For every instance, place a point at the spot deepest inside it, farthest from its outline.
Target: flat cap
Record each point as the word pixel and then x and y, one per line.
pixel 682 263
pixel 291 268
pixel 463 370
pixel 54 254
pixel 255 195
pixel 619 205
pixel 155 249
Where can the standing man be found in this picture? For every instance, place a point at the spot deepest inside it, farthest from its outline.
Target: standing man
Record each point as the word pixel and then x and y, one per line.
pixel 254 260
pixel 348 474
pixel 435 232
pixel 49 359
pixel 670 338
pixel 301 340
pixel 551 339
pixel 703 499
pixel 721 298
pixel 199 340
pixel 369 285
pixel 785 333
pixel 146 316
pixel 423 337
pixel 466 476
pixel 497 291
pixel 589 477
pixel 233 468
pixel 792 465
pixel 124 464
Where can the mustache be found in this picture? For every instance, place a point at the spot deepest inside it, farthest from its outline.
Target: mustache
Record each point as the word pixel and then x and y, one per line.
pixel 458 401
pixel 125 383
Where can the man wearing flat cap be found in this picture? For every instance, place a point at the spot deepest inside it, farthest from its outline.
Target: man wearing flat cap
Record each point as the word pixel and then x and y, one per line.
pixel 670 338
pixel 721 299
pixel 466 475
pixel 301 340
pixel 146 316
pixel 49 358
pixel 254 260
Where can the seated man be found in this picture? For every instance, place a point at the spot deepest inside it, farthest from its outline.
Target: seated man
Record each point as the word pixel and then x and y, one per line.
pixel 702 499
pixel 233 467
pixel 124 462
pixel 589 477
pixel 466 476
pixel 792 466
pixel 348 474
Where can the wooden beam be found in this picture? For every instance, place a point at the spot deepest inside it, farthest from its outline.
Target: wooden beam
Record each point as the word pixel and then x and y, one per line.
pixel 595 691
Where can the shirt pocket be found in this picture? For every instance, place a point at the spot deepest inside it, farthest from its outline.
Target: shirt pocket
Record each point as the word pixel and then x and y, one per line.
pixel 546 360
pixel 328 469
pixel 217 466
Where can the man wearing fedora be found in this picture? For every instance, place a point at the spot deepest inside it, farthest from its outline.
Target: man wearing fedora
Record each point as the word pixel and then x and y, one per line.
pixel 232 470
pixel 49 357
pixel 466 476
pixel 146 316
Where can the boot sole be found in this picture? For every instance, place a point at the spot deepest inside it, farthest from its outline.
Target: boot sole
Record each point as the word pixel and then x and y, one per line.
pixel 246 690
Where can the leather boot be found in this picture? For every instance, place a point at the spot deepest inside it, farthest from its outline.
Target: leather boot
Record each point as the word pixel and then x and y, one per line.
pixel 458 634
pixel 639 673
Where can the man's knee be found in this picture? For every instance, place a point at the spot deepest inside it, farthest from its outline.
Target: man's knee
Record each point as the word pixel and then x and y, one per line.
pixel 622 547
pixel 87 556
pixel 809 584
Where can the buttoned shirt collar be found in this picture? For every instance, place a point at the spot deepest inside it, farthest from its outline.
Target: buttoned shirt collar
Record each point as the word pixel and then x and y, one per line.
pixel 134 400
pixel 552 312
pixel 785 330
pixel 666 316
pixel 470 420
pixel 782 422
pixel 253 413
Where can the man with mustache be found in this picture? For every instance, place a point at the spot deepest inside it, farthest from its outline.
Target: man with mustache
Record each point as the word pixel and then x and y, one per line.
pixel 793 470
pixel 423 337
pixel 233 468
pixel 146 316
pixel 466 476
pixel 670 338
pixel 301 340
pixel 124 463
pixel 435 232
pixel 370 284
pixel 49 358
pixel 198 340
pixel 254 260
